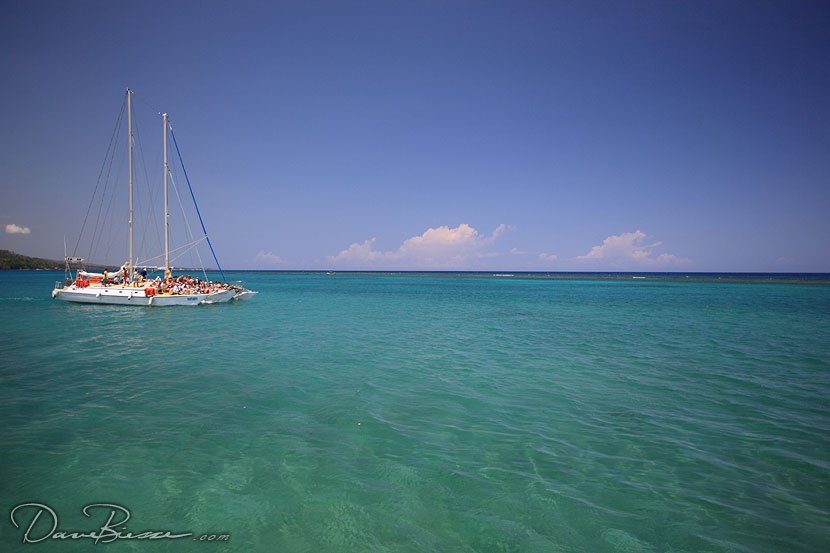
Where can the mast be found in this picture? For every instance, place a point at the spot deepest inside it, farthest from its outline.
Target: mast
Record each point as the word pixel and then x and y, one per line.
pixel 130 140
pixel 166 212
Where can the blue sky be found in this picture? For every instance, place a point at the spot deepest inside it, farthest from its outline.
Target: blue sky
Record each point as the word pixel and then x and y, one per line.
pixel 691 136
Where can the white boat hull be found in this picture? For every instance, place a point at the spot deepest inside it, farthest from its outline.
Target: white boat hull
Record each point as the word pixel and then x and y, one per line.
pixel 245 295
pixel 116 295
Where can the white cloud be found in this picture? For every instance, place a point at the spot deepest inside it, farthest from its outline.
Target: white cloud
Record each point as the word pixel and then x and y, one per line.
pixel 15 229
pixel 785 260
pixel 629 248
pixel 268 257
pixel 436 248
pixel 549 257
pixel 358 252
pixel 501 229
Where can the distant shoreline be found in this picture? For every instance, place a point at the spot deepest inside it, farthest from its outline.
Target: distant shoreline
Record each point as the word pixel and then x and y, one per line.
pixel 10 260
pixel 622 276
pixel 628 276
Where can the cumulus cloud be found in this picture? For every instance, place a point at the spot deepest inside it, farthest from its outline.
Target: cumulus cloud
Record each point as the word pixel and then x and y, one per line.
pixel 268 257
pixel 436 248
pixel 549 257
pixel 630 248
pixel 16 229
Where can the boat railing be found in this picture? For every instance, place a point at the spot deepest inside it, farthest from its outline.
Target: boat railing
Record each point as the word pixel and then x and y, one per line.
pixel 58 285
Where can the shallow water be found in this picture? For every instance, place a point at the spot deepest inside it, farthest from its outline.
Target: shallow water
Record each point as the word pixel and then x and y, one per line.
pixel 370 412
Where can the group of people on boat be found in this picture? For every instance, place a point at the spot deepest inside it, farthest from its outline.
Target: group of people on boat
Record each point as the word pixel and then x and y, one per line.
pixel 186 285
pixel 174 285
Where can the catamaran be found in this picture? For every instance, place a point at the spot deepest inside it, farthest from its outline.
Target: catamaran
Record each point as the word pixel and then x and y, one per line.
pixel 130 285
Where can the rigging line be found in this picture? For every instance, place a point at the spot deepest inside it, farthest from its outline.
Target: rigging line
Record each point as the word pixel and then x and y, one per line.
pixel 149 193
pixel 138 204
pixel 172 259
pixel 98 182
pixel 181 250
pixel 185 249
pixel 172 134
pixel 186 222
pixel 181 206
pixel 108 163
pixel 100 225
pixel 112 156
pixel 141 219
pixel 190 245
pixel 187 225
pixel 98 228
pixel 108 225
pixel 201 263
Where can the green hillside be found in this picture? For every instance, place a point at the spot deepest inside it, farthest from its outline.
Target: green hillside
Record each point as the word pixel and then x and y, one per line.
pixel 11 260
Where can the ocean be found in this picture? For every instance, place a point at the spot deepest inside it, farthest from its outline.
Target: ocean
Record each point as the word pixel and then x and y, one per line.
pixel 422 413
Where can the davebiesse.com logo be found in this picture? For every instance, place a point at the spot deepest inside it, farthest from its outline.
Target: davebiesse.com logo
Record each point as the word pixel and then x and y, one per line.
pixel 38 522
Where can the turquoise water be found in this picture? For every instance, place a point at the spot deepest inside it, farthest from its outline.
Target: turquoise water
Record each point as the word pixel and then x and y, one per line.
pixel 426 413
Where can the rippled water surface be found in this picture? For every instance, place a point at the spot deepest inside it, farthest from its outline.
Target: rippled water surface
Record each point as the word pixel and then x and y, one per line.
pixel 426 413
